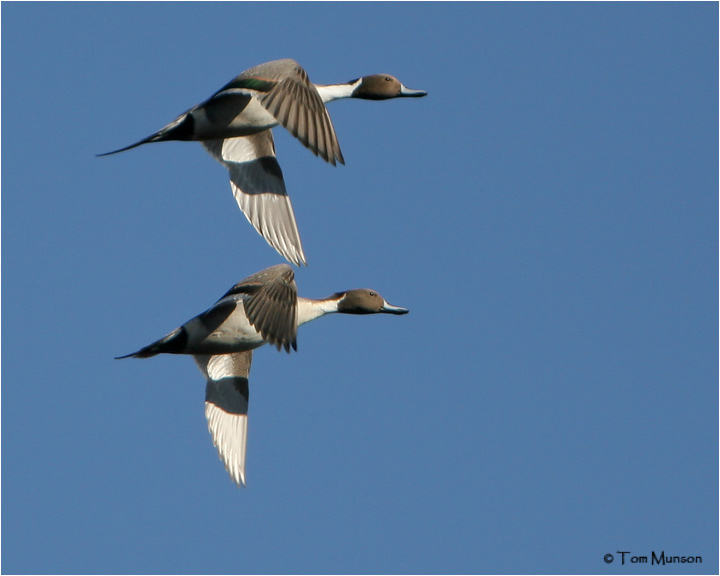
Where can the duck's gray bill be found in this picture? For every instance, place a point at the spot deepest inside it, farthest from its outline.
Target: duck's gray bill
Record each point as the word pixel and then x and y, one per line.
pixel 405 91
pixel 390 309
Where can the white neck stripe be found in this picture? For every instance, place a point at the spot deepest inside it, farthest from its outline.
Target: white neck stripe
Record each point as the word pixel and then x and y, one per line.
pixel 337 91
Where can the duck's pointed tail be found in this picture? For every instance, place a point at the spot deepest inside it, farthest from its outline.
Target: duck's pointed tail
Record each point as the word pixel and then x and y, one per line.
pixel 173 343
pixel 182 128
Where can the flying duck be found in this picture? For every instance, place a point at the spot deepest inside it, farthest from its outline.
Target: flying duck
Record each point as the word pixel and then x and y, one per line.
pixel 263 308
pixel 235 124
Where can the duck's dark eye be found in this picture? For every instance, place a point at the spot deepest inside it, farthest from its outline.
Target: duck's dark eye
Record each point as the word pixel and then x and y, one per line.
pixel 373 293
pixel 388 79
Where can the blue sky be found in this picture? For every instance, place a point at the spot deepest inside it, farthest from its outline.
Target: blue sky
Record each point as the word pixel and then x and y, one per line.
pixel 549 215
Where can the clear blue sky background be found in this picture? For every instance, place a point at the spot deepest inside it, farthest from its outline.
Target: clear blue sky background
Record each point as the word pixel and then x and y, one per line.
pixel 549 214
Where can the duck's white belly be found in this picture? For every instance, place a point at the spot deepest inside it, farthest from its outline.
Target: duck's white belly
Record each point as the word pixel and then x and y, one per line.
pixel 231 116
pixel 237 331
pixel 235 334
pixel 254 117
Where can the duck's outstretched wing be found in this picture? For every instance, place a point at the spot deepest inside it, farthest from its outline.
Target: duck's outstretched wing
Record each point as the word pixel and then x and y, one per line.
pixel 259 189
pixel 270 301
pixel 284 89
pixel 226 405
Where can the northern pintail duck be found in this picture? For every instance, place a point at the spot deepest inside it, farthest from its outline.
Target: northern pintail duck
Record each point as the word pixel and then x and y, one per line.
pixel 235 124
pixel 263 308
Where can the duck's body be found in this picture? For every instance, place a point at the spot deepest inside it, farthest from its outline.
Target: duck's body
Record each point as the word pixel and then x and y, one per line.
pixel 263 308
pixel 255 101
pixel 235 124
pixel 227 116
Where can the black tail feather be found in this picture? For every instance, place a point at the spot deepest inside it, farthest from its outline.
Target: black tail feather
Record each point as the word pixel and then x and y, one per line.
pixel 143 141
pixel 173 343
pixel 182 128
